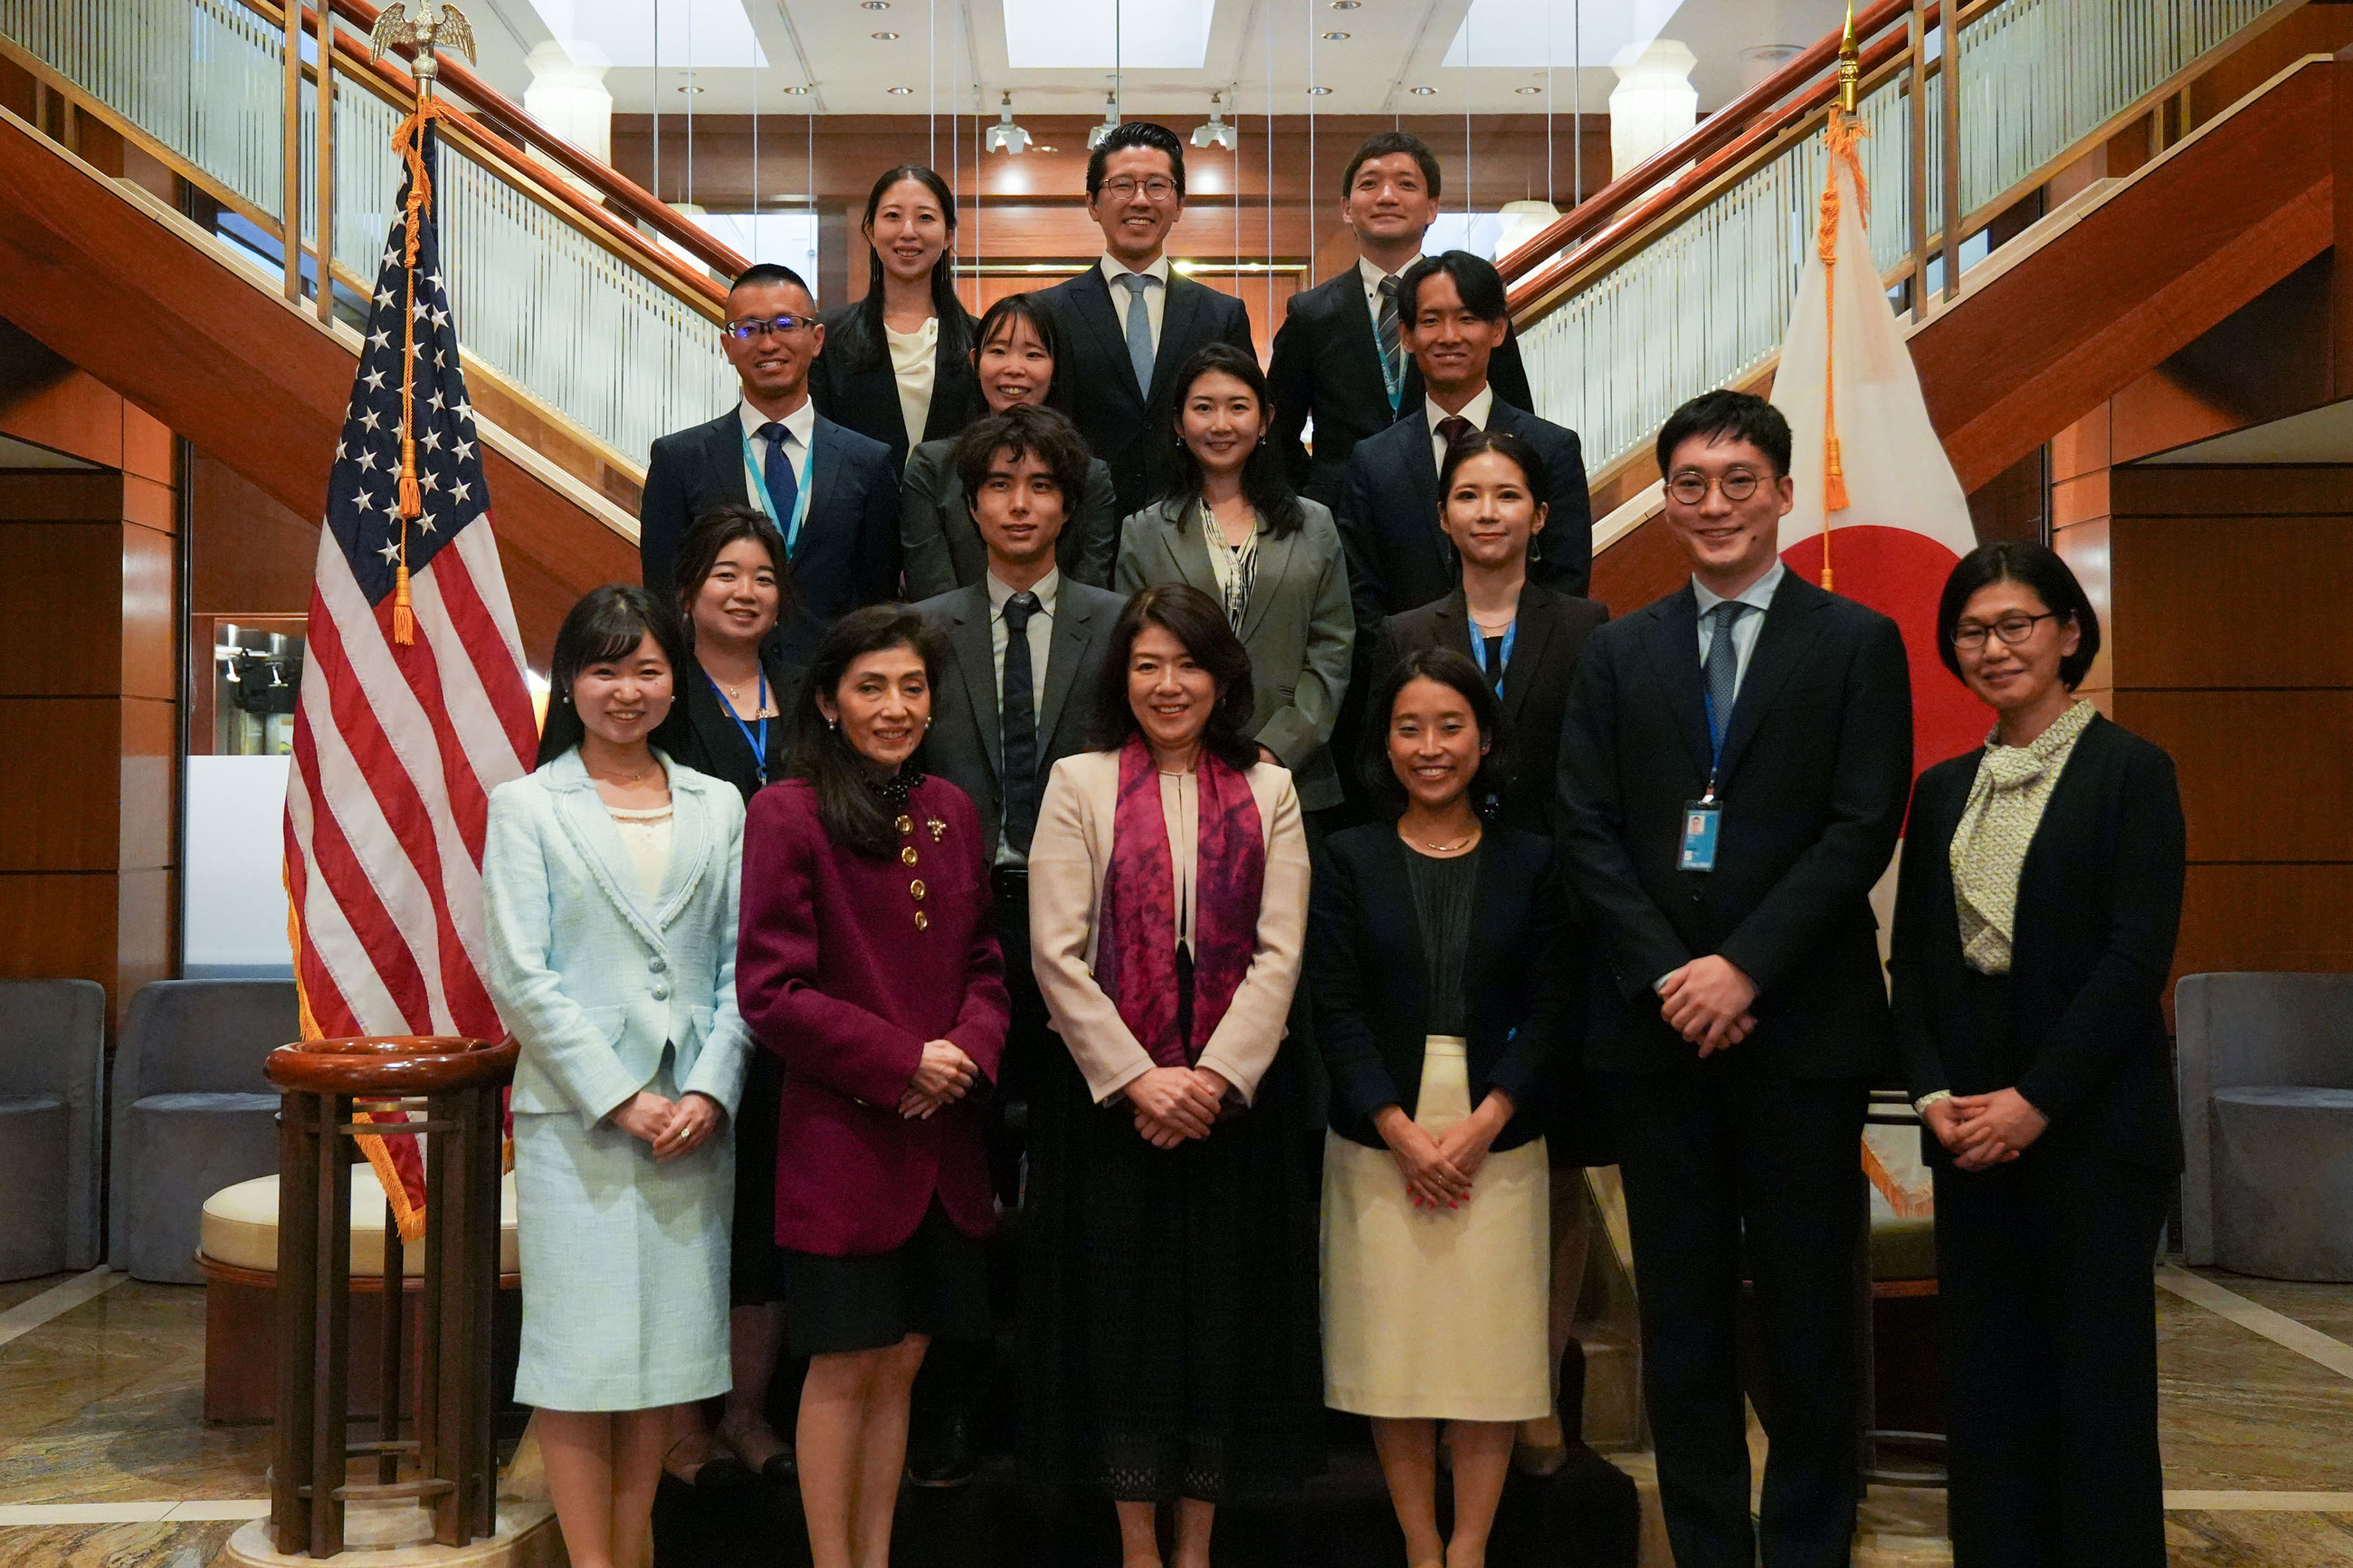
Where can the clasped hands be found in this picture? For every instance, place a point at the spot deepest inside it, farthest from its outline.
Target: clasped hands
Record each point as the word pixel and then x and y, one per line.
pixel 672 1128
pixel 1983 1130
pixel 943 1076
pixel 1173 1104
pixel 1439 1170
pixel 1707 1001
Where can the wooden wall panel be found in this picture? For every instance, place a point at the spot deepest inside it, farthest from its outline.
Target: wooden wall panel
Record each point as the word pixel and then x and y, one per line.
pixel 2266 776
pixel 2084 547
pixel 2266 918
pixel 149 614
pixel 149 776
pixel 60 923
pixel 2231 490
pixel 1645 565
pixel 61 585
pixel 49 495
pixel 2188 627
pixel 249 553
pixel 63 793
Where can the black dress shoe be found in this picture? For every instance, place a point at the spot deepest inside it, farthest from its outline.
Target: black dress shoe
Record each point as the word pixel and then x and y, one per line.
pixel 940 1451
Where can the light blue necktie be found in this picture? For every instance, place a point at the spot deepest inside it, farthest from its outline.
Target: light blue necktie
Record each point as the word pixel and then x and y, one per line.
pixel 1139 329
pixel 1723 668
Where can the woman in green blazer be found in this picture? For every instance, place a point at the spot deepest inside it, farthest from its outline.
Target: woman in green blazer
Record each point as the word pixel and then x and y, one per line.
pixel 1232 527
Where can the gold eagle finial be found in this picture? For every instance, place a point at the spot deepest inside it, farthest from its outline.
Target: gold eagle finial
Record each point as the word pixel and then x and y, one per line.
pixel 438 26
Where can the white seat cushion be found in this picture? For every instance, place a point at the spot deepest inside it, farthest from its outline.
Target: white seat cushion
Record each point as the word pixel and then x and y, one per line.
pixel 240 1227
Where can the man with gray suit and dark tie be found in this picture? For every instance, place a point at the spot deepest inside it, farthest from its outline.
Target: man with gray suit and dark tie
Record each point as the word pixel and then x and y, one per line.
pixel 1027 647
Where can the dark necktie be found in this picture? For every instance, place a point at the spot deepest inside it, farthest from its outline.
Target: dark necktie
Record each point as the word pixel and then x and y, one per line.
pixel 1018 718
pixel 784 491
pixel 1453 430
pixel 1392 341
pixel 1723 668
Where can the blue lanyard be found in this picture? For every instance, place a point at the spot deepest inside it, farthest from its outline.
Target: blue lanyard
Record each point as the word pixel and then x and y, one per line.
pixel 1714 740
pixel 1479 644
pixel 758 480
pixel 757 740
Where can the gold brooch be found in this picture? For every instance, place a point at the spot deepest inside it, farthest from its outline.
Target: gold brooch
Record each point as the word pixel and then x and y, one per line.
pixel 905 823
pixel 938 827
pixel 916 888
pixel 922 921
pixel 906 854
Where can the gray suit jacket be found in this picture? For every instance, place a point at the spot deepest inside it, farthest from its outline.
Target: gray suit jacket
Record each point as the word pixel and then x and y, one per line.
pixel 942 545
pixel 1298 628
pixel 966 743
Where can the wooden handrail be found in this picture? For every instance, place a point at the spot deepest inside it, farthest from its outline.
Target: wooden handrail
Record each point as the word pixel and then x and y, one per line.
pixel 511 118
pixel 1731 132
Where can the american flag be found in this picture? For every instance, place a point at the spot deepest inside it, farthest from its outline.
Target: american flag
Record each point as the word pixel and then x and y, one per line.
pixel 399 741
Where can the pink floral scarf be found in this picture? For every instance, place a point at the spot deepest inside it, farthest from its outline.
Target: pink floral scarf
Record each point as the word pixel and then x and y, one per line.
pixel 1136 956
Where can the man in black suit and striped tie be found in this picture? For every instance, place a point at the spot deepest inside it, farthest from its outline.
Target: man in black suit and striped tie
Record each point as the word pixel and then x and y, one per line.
pixel 1340 359
pixel 1131 321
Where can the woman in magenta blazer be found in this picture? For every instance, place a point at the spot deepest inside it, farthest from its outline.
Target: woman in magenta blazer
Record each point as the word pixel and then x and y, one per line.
pixel 868 962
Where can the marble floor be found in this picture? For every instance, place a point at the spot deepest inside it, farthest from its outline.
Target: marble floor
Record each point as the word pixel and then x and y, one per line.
pixel 105 1461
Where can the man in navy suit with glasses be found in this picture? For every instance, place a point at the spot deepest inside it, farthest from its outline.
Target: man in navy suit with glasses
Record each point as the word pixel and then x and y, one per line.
pixel 831 492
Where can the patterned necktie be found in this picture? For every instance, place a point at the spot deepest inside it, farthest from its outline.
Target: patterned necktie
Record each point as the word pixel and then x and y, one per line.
pixel 1723 668
pixel 1139 329
pixel 1392 342
pixel 1018 719
pixel 784 491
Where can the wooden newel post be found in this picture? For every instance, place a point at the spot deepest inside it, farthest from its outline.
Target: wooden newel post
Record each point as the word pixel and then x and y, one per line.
pixel 455 1460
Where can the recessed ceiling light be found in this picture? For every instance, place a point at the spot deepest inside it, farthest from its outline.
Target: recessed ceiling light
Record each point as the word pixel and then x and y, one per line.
pixel 795 91
pixel 885 37
pixel 1421 92
pixel 1036 147
pixel 877 5
pixel 899 91
pixel 1347 4
pixel 690 88
pixel 1319 91
pixel 1335 38
pixel 1527 91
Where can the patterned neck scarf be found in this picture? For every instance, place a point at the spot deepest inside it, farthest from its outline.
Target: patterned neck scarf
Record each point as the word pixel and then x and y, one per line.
pixel 1137 961
pixel 2004 808
pixel 1235 567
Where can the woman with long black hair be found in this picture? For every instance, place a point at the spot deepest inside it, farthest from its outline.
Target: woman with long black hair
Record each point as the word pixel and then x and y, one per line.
pixel 897 364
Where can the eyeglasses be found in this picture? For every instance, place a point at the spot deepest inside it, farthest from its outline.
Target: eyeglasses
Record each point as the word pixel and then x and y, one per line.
pixel 1690 488
pixel 751 327
pixel 1157 188
pixel 2012 629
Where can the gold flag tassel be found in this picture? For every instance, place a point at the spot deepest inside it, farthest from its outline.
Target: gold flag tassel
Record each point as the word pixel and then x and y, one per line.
pixel 1845 130
pixel 408 141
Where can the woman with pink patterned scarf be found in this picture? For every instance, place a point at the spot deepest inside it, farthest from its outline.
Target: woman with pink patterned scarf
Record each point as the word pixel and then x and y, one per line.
pixel 1170 1296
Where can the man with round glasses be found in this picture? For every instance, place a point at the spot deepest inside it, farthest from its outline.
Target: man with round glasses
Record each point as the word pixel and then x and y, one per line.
pixel 1131 320
pixel 831 492
pixel 1734 770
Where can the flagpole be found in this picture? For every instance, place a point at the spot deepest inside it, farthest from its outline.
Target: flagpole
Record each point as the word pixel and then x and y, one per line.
pixel 1845 126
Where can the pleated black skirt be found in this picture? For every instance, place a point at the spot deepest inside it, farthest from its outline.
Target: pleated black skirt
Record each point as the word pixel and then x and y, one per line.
pixel 1170 1339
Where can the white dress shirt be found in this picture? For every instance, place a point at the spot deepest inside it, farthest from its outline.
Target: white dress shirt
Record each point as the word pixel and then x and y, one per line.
pixel 1156 300
pixel 1039 634
pixel 1758 595
pixel 800 428
pixel 1476 411
pixel 1371 277
pixel 914 363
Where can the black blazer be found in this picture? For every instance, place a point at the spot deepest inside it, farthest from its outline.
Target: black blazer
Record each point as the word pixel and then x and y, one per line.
pixel 1817 764
pixel 848 554
pixel 941 546
pixel 1370 976
pixel 1546 642
pixel 1398 559
pixel 852 383
pixel 1123 423
pixel 699 732
pixel 1327 364
pixel 2099 901
pixel 966 744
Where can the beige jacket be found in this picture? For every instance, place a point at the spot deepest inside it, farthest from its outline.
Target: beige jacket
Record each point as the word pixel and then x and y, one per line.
pixel 1068 858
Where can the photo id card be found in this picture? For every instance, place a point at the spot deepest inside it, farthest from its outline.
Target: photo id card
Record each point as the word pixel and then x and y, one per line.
pixel 1701 818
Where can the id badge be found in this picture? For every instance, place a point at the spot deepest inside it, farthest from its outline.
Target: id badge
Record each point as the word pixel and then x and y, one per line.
pixel 1701 818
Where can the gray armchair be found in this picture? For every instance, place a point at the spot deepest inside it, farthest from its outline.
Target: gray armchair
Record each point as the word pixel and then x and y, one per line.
pixel 52 1092
pixel 192 1112
pixel 2266 1064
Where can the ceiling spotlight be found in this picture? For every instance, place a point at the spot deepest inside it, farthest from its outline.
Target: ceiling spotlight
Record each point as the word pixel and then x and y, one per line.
pixel 1110 122
pixel 1335 38
pixel 898 91
pixel 795 91
pixel 1527 91
pixel 885 37
pixel 1005 136
pixel 691 88
pixel 1217 132
pixel 1319 93
pixel 1347 4
pixel 1421 92
pixel 875 5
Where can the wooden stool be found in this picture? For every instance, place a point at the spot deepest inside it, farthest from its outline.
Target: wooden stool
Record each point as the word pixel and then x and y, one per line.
pixel 455 1462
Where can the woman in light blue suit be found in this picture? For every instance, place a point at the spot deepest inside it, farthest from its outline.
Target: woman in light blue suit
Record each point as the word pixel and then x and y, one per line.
pixel 610 880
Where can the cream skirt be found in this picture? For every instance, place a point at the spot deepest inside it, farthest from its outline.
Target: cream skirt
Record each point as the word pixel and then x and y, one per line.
pixel 1436 1315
